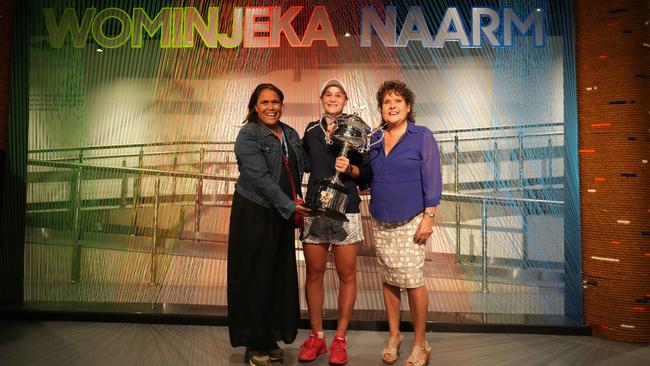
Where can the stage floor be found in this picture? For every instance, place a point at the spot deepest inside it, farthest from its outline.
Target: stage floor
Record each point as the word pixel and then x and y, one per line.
pixel 123 344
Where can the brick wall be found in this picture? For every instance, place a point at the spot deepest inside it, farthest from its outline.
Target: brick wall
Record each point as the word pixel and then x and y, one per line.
pixel 613 85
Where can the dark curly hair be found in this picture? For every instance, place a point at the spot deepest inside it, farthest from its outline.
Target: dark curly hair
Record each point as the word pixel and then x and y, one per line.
pixel 252 114
pixel 397 87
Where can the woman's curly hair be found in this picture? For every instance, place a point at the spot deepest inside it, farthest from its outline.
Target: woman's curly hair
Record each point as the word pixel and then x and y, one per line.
pixel 397 87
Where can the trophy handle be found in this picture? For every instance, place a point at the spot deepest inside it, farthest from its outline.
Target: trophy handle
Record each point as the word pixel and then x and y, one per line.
pixel 369 137
pixel 328 140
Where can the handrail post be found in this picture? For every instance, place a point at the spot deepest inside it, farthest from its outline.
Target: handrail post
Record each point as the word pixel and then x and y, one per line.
pixel 154 239
pixel 495 159
pixel 484 242
pixel 520 157
pixel 456 190
pixel 174 167
pixel 75 268
pixel 551 155
pixel 524 240
pixel 199 196
pixel 137 186
pixel 123 188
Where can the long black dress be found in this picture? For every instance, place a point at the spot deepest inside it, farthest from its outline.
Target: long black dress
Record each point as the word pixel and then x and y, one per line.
pixel 263 304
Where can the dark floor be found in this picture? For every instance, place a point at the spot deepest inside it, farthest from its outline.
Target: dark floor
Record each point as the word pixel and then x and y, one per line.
pixel 123 344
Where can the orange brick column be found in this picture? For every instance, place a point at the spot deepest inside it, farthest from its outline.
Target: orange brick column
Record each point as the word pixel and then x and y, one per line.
pixel 613 89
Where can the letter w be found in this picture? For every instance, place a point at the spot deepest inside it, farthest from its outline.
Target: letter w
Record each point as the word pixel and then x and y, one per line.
pixel 69 23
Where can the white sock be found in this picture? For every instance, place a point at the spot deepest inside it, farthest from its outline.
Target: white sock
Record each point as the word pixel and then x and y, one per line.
pixel 321 335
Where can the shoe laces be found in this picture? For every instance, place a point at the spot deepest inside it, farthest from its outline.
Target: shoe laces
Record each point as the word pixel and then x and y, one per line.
pixel 311 342
pixel 338 344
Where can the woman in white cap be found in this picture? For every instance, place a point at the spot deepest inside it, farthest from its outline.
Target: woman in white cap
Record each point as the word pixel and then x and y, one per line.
pixel 322 233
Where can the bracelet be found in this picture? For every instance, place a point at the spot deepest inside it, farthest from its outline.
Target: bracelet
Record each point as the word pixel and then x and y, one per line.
pixel 430 214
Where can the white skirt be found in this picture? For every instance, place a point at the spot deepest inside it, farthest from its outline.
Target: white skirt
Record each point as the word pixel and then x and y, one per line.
pixel 401 261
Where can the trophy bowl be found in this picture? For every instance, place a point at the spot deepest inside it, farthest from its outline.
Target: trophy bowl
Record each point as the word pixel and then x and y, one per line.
pixel 352 129
pixel 329 197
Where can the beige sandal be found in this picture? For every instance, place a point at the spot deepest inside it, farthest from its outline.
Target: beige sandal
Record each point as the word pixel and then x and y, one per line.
pixel 391 350
pixel 419 356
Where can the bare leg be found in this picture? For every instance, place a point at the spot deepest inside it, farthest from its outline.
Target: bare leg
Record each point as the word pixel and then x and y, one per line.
pixel 418 304
pixel 316 259
pixel 345 258
pixel 392 304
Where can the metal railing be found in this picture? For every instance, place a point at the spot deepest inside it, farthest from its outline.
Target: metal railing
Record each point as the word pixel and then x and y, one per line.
pixel 484 201
pixel 75 199
pixel 79 168
pixel 520 136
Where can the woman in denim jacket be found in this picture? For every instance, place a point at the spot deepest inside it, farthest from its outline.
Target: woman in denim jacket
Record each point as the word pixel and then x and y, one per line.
pixel 263 305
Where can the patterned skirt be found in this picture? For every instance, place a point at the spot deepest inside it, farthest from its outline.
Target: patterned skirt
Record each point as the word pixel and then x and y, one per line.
pixel 401 261
pixel 332 231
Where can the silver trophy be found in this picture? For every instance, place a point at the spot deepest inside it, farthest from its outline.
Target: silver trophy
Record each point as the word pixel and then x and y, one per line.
pixel 329 195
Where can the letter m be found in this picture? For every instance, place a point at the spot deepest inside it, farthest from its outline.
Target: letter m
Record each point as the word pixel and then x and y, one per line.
pixel 534 21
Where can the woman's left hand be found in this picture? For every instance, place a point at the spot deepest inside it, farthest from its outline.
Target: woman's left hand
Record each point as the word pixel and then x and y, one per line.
pixel 341 165
pixel 302 210
pixel 424 230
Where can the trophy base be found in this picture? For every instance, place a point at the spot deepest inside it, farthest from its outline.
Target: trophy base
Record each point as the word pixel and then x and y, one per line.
pixel 332 214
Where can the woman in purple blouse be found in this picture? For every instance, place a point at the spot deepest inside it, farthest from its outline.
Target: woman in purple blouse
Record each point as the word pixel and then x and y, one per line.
pixel 406 187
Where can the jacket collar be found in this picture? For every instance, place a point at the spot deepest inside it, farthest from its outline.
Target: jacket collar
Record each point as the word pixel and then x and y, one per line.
pixel 323 122
pixel 267 131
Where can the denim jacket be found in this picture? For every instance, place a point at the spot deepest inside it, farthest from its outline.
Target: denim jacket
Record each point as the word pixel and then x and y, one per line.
pixel 259 157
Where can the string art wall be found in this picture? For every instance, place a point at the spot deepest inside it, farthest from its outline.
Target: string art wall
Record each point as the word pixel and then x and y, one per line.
pixel 130 170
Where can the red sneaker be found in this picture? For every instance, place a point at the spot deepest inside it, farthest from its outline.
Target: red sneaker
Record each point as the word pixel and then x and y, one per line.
pixel 338 353
pixel 312 347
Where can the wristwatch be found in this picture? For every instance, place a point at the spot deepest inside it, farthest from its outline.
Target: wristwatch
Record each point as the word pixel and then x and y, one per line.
pixel 430 214
pixel 349 170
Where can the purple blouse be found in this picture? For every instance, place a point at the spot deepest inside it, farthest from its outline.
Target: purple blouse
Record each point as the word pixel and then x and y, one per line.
pixel 408 179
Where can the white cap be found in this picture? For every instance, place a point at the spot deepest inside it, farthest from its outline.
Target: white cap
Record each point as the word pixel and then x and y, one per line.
pixel 333 82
